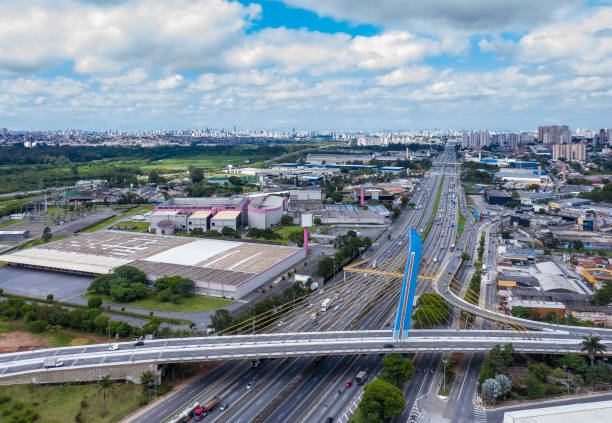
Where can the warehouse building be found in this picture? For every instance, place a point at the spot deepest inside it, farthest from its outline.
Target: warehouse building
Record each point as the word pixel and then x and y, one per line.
pixel 178 219
pixel 228 269
pixel 266 211
pixel 226 218
pixel 212 204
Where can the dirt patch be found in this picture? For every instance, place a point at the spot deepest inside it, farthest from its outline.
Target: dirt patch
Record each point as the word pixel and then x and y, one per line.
pixel 79 341
pixel 20 341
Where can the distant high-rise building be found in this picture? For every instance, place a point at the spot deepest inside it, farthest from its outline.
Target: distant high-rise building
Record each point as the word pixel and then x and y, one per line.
pixel 572 152
pixel 603 136
pixel 554 134
pixel 4 131
pixel 475 139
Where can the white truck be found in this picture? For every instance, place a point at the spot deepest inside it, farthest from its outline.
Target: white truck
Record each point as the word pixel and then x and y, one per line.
pixel 52 362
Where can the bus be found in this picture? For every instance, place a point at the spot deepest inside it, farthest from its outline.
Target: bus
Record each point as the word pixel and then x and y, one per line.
pixel 326 303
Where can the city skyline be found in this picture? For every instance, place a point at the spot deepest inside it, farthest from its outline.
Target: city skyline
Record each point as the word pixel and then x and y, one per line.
pixel 314 65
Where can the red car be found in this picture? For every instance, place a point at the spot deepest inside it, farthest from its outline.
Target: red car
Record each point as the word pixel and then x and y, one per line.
pixel 348 384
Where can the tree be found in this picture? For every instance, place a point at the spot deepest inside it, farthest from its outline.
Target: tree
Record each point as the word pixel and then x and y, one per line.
pixel 50 298
pixel 154 177
pixel 147 382
pixel 317 221
pixel 196 174
pixel 579 245
pixel 466 257
pixel 397 368
pixel 46 236
pixel 286 220
pixel 522 312
pixel 94 302
pixel 593 347
pixel 325 268
pixel 381 400
pixel 491 389
pixel 504 383
pixel 105 383
pixel 534 187
pixel 508 354
pixel 505 234
pixel 558 373
pixel 221 319
pixel 227 231
pixel 131 273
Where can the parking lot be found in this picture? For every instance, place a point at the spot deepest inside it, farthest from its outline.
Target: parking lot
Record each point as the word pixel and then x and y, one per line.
pixel 38 283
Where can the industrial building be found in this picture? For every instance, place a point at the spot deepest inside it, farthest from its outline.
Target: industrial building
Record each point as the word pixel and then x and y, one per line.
pixel 212 204
pixel 528 176
pixel 592 412
pixel 228 269
pixel 226 218
pixel 497 197
pixel 338 158
pixel 266 211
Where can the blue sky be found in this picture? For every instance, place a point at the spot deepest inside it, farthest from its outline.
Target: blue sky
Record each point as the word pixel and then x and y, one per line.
pixel 311 64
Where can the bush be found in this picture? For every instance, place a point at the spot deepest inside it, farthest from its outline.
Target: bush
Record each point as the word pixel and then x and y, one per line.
pixel 38 326
pixel 94 302
pixel 286 220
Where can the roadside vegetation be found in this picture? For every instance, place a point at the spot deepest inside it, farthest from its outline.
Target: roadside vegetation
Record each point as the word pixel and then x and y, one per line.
pixel 435 210
pixel 507 375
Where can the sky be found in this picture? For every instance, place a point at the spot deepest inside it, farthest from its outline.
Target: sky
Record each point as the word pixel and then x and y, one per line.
pixel 305 64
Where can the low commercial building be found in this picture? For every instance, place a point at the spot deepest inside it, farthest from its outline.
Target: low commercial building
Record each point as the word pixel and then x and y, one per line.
pixel 599 315
pixel 227 218
pixel 569 202
pixel 338 158
pixel 266 211
pixel 212 204
pixel 506 279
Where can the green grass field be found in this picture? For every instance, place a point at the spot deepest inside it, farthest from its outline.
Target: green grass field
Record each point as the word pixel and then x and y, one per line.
pixel 185 305
pixel 60 404
pixel 205 161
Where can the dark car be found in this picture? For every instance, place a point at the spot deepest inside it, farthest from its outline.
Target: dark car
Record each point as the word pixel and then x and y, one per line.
pixel 329 420
pixel 139 343
pixel 388 346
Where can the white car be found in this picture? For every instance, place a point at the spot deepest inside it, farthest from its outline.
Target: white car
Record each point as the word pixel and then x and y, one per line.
pixel 113 347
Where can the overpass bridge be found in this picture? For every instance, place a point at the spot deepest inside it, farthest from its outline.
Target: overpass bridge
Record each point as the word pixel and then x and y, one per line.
pixel 27 367
pixel 90 362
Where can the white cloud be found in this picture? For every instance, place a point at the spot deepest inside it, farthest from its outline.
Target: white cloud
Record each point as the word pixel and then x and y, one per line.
pixel 402 76
pixel 576 41
pixel 170 82
pixel 167 34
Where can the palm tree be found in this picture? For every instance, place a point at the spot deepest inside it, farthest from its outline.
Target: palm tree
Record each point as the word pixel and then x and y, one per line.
pixel 105 383
pixel 592 346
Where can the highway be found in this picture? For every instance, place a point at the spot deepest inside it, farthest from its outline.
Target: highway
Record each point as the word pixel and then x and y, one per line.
pixel 306 388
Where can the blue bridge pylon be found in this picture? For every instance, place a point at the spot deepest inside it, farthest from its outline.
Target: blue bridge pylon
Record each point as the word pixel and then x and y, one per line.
pixel 406 299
